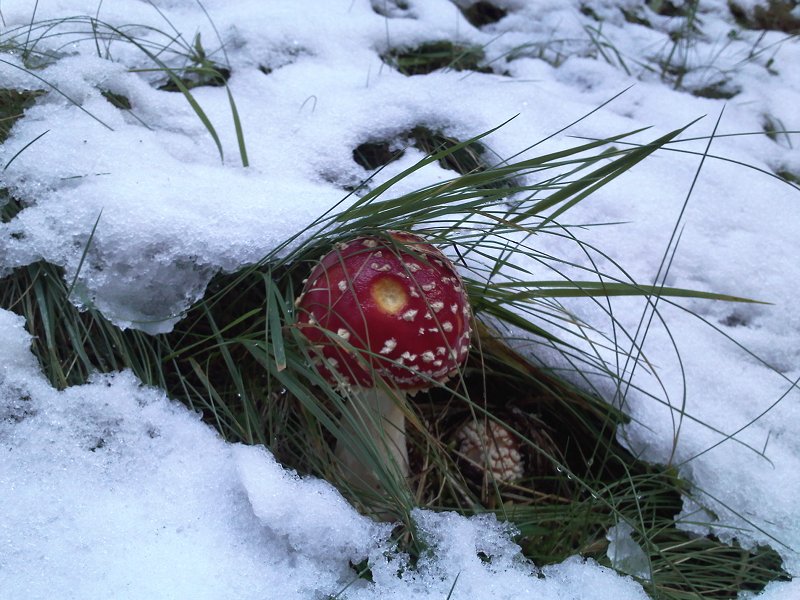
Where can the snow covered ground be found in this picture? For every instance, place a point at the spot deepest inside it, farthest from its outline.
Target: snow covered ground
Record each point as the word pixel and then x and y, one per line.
pixel 108 489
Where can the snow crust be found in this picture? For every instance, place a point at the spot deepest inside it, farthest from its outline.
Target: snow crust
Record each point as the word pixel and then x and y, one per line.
pixel 109 490
pixel 723 405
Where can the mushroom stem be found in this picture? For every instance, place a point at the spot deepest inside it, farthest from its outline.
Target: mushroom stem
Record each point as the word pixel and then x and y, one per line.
pixel 379 412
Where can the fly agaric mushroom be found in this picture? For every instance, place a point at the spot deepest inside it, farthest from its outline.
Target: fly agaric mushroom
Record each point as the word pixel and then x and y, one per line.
pixel 386 316
pixel 491 449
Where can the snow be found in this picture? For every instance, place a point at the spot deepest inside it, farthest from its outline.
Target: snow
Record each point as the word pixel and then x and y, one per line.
pixel 170 214
pixel 625 554
pixel 778 591
pixel 111 490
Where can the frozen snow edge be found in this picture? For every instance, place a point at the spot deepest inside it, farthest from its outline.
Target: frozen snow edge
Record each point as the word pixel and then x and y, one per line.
pixel 109 489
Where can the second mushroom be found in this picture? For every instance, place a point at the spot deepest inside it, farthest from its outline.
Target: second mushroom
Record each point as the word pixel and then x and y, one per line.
pixel 386 316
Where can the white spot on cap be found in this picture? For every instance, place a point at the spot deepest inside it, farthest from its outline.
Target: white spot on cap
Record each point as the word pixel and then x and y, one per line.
pixel 427 356
pixel 382 268
pixel 413 267
pixel 377 254
pixel 422 331
pixel 410 314
pixel 332 362
pixel 369 243
pixel 428 315
pixel 437 363
pixel 342 285
pixel 427 287
pixel 408 356
pixel 341 245
pixel 412 291
pixel 454 308
pixel 433 329
pixel 388 346
pixel 437 306
pixel 343 333
pixel 440 373
pixel 441 350
pixel 447 326
pixel 453 354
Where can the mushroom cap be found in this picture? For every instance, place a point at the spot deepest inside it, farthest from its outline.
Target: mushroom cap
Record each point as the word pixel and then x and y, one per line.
pixel 393 306
pixel 491 448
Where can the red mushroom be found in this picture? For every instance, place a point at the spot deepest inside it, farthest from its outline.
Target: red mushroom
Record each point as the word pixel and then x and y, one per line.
pixel 386 316
pixel 491 449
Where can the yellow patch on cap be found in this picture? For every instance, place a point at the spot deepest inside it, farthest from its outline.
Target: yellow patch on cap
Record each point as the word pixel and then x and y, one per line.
pixel 389 295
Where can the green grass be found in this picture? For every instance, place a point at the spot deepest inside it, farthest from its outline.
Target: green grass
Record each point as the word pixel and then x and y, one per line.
pixel 12 106
pixel 433 56
pixel 238 357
